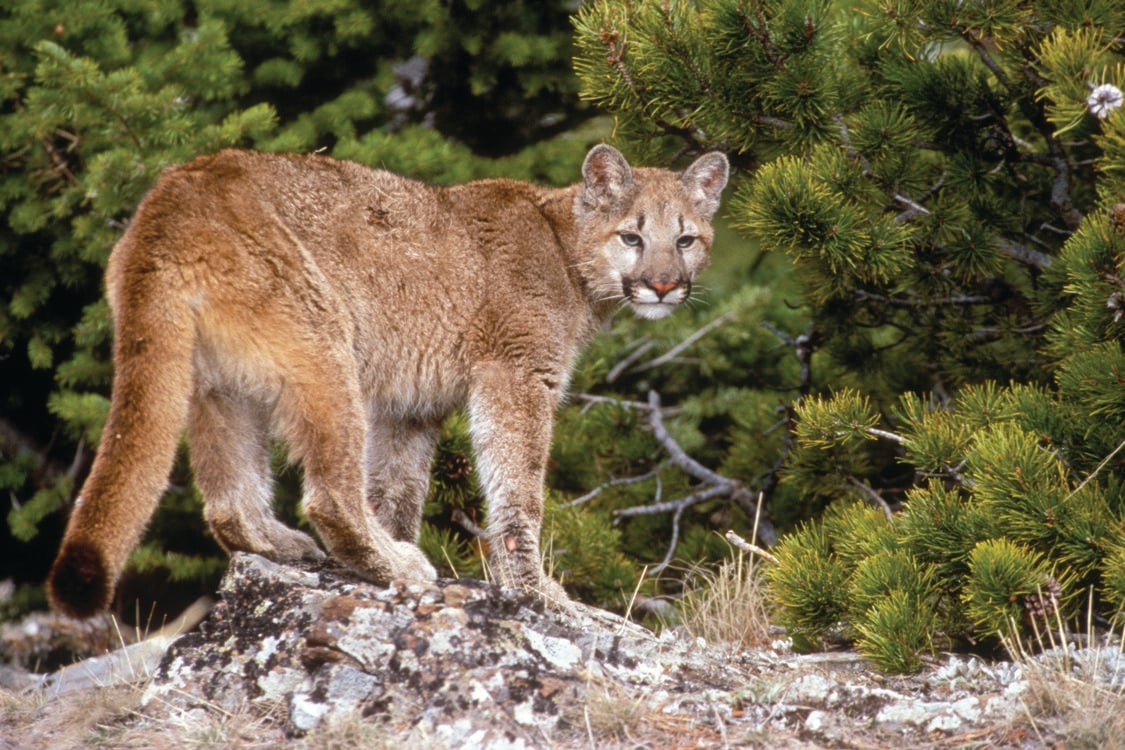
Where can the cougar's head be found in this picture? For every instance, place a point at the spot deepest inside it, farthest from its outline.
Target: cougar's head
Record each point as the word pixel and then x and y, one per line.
pixel 648 230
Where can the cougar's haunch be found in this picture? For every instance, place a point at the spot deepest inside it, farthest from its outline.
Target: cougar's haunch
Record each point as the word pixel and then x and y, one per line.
pixel 348 311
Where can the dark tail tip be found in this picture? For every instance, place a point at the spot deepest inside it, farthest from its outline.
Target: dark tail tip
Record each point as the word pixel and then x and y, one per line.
pixel 78 585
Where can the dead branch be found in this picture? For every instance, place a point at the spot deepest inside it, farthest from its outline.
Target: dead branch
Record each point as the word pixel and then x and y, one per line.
pixel 748 547
pixel 715 485
pixel 673 506
pixel 629 363
pixel 675 351
pixel 467 524
pixel 629 360
pixel 870 493
pixel 617 481
pixel 678 455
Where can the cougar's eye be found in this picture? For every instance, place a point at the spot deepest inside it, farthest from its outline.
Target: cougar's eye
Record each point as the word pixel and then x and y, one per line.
pixel 630 239
pixel 685 242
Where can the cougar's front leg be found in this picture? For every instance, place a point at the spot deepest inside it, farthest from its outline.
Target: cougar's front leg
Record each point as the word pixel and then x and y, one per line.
pixel 510 417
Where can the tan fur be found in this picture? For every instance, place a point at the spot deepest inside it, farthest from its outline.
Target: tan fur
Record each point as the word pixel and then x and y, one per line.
pixel 348 311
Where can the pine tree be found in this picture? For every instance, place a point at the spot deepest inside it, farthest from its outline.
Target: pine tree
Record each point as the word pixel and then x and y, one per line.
pixel 946 182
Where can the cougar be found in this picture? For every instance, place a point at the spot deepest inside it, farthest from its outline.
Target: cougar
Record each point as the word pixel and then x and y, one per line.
pixel 348 311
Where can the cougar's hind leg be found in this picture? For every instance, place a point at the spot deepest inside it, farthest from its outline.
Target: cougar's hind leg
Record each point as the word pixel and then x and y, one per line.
pixel 230 456
pixel 399 455
pixel 322 415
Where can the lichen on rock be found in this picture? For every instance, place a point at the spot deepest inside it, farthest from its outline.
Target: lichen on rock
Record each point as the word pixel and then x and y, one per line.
pixel 455 659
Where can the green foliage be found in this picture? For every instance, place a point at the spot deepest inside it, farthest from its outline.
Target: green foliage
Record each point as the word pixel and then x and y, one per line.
pixel 452 554
pixel 946 183
pixel 809 583
pixel 152 556
pixel 1113 581
pixel 1009 584
pixel 896 630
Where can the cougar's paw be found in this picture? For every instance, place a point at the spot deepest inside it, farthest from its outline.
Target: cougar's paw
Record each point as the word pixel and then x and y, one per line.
pixel 553 594
pixel 297 545
pixel 408 561
pixel 521 569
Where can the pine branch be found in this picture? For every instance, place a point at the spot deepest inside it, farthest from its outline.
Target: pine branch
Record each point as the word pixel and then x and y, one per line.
pixel 974 41
pixel 803 348
pixel 758 28
pixel 1060 199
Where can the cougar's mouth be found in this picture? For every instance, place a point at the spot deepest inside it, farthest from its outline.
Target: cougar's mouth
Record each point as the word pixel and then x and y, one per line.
pixel 652 310
pixel 655 299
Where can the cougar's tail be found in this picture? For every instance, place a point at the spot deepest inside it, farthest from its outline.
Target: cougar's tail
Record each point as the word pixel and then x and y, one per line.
pixel 154 339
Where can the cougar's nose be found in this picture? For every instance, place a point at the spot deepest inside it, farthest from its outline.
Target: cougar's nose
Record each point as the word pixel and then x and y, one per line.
pixel 660 286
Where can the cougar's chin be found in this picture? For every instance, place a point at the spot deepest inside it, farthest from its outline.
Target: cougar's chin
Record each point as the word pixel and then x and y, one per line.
pixel 652 310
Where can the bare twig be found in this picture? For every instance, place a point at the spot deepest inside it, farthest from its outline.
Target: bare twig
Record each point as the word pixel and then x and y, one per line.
pixel 962 299
pixel 770 121
pixel 680 347
pixel 591 398
pixel 468 525
pixel 746 546
pixel 1095 472
pixel 872 495
pixel 912 209
pixel 614 483
pixel 887 435
pixel 628 361
pixel 1024 254
pixel 715 485
pixel 13 441
pixel 680 457
pixel 674 506
pixel 671 543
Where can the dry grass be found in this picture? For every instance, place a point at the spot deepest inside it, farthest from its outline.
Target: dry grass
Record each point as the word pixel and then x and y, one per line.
pixel 614 716
pixel 1076 695
pixel 347 731
pixel 727 605
pixel 86 718
pixel 610 712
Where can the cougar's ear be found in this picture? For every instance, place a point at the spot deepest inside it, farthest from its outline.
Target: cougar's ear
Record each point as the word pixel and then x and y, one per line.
pixel 704 181
pixel 607 180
